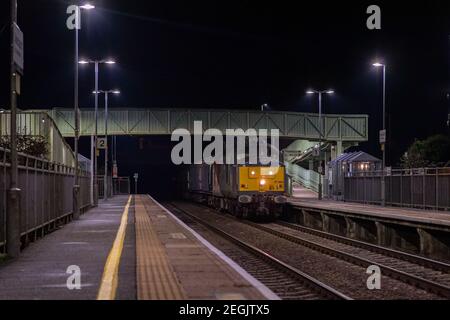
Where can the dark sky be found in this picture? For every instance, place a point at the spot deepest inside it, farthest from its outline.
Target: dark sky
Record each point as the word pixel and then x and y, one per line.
pixel 241 54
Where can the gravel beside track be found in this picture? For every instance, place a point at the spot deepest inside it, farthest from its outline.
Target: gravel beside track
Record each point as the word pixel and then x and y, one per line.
pixel 348 278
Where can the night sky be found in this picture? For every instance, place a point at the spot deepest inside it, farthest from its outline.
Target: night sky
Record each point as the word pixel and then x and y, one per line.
pixel 241 54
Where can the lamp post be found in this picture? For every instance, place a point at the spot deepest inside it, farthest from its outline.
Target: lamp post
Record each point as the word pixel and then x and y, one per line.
pixel 76 185
pixel 383 141
pixel 320 93
pixel 94 158
pixel 13 200
pixel 105 181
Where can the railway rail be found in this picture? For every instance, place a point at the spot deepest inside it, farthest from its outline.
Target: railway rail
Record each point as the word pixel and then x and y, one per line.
pixel 285 280
pixel 423 273
pixel 430 275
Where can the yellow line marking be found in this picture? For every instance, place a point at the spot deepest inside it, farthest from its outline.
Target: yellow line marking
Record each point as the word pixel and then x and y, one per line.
pixel 110 278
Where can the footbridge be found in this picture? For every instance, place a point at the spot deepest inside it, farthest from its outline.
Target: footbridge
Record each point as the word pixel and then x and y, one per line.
pixel 302 130
pixel 295 125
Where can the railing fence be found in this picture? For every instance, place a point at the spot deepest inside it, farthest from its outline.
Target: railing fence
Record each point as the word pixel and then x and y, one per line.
pixel 46 196
pixel 427 188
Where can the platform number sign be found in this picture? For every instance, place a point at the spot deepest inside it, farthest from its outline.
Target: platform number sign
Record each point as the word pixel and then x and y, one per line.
pixel 383 136
pixel 101 143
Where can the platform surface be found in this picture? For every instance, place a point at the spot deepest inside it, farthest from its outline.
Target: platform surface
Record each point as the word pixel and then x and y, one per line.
pixel 40 272
pixel 305 198
pixel 184 268
pixel 126 248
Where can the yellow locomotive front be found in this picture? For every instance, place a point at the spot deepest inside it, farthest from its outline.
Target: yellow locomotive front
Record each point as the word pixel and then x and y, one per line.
pixel 263 189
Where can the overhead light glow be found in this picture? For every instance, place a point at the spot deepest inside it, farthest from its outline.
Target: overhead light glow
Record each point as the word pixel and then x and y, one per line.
pixel 378 64
pixel 116 92
pixel 83 62
pixel 330 91
pixel 310 92
pixel 110 62
pixel 87 6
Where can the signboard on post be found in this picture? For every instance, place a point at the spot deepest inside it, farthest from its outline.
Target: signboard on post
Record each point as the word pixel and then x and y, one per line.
pixel 115 171
pixel 388 171
pixel 101 143
pixel 136 177
pixel 18 48
pixel 382 136
pixel 316 152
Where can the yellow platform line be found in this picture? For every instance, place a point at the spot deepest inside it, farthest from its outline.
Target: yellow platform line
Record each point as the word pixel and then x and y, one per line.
pixel 110 278
pixel 156 279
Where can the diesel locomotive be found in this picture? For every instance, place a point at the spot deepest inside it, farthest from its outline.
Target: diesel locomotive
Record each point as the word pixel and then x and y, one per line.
pixel 246 191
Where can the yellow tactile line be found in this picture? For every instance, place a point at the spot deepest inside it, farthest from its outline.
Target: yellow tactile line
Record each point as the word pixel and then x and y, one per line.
pixel 155 278
pixel 110 278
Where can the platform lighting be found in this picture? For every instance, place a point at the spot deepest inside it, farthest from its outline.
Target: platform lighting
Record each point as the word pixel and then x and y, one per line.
pixel 76 184
pixel 378 64
pixel 105 182
pixel 320 93
pixel 87 6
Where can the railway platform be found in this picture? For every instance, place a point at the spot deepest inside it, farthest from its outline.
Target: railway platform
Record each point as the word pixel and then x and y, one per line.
pixel 128 248
pixel 419 231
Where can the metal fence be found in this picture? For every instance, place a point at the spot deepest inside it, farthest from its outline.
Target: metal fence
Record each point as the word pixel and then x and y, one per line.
pixel 121 186
pixel 46 196
pixel 427 188
pixel 116 186
pixel 39 123
pixel 101 188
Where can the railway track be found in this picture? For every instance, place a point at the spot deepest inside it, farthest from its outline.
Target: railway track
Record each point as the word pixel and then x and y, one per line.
pixel 286 281
pixel 430 275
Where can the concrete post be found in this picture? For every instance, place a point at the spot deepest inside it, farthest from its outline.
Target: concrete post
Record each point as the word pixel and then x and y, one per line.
pixel 311 165
pixel 339 149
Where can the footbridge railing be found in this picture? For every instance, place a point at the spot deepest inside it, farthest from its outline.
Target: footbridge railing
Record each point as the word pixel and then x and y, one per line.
pixel 307 178
pixel 163 121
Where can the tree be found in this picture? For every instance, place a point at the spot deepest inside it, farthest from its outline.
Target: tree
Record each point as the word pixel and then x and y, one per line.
pixel 433 151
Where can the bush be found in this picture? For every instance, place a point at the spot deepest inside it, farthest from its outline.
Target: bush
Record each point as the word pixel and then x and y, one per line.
pixel 433 151
pixel 36 146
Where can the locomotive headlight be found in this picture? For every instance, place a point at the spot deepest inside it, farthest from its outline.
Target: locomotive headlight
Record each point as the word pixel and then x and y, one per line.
pixel 253 173
pixel 262 182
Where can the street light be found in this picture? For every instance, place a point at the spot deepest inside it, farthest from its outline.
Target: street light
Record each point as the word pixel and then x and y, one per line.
pixel 87 6
pixel 105 179
pixel 320 93
pixel 76 185
pixel 383 142
pixel 94 143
